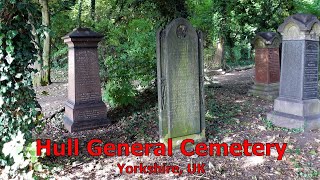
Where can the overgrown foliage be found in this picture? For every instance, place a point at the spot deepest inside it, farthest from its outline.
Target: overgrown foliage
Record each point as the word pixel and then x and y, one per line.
pixel 308 6
pixel 18 112
pixel 130 58
pixel 235 23
pixel 127 56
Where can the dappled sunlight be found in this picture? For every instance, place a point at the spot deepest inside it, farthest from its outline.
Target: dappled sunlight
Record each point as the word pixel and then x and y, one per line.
pixel 240 101
pixel 270 139
pixel 227 139
pixel 251 161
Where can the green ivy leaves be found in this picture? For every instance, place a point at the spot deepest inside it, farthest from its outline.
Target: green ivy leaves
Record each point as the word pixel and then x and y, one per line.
pixel 18 114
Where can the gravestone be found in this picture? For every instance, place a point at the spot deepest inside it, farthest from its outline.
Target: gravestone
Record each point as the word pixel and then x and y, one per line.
pixel 84 108
pixel 180 82
pixel 267 65
pixel 298 105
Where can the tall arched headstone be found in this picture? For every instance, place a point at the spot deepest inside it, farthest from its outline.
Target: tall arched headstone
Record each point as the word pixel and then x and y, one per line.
pixel 267 65
pixel 84 107
pixel 180 82
pixel 298 105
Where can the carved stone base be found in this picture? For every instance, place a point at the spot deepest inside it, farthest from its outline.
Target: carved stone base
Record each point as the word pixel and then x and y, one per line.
pixel 296 114
pixel 85 117
pixel 265 91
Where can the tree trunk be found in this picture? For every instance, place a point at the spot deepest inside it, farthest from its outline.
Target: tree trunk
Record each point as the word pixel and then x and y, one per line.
pixel 93 9
pixel 45 75
pixel 37 64
pixel 218 57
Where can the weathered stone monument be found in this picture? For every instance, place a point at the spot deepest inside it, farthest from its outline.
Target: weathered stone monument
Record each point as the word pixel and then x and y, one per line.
pixel 180 82
pixel 84 108
pixel 298 105
pixel 267 65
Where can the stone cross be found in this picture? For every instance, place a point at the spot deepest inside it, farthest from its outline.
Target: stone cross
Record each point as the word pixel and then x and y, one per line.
pixel 267 65
pixel 84 107
pixel 180 82
pixel 298 105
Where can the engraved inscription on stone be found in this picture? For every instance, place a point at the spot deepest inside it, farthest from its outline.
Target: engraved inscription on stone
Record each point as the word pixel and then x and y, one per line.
pixel 274 66
pixel 310 90
pixel 261 65
pixel 86 68
pixel 90 97
pixel 89 114
pixel 183 77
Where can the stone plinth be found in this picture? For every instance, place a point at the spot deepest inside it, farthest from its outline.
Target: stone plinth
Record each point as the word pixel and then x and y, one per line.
pixel 180 82
pixel 84 107
pixel 297 105
pixel 267 65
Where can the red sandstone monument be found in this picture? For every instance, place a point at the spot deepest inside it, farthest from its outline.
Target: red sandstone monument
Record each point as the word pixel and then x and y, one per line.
pixel 84 107
pixel 267 65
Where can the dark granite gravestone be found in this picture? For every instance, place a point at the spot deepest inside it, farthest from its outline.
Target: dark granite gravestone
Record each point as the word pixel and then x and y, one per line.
pixel 180 82
pixel 298 105
pixel 267 65
pixel 84 108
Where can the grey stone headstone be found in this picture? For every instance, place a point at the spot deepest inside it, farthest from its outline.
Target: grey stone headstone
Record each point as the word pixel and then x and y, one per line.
pixel 180 82
pixel 297 105
pixel 84 107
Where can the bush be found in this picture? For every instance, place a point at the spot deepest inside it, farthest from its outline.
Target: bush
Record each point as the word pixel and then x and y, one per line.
pixel 129 50
pixel 133 63
pixel 18 106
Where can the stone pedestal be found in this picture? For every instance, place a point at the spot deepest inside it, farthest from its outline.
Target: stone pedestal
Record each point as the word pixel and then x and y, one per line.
pixel 297 105
pixel 267 66
pixel 84 107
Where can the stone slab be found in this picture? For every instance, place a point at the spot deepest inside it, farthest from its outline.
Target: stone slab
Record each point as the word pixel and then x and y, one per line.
pixel 310 78
pixel 180 80
pixel 300 70
pixel 292 69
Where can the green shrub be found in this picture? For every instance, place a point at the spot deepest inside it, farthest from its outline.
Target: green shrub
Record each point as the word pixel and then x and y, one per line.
pixel 127 55
pixel 133 62
pixel 129 49
pixel 18 106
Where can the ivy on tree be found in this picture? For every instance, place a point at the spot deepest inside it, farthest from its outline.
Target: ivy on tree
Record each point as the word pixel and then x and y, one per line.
pixel 18 106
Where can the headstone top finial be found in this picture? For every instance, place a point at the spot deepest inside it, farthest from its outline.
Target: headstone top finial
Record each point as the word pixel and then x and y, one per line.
pixel 81 32
pixel 267 39
pixel 305 22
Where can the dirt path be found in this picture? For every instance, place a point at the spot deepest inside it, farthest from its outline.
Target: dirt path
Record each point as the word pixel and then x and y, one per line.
pixel 52 98
pixel 235 77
